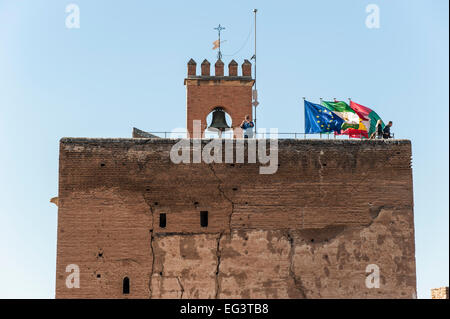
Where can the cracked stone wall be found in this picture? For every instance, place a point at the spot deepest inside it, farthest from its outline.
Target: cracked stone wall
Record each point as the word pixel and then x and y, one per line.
pixel 308 231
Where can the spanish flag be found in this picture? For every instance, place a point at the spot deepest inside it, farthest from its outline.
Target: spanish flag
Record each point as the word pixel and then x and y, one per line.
pixel 353 125
pixel 368 116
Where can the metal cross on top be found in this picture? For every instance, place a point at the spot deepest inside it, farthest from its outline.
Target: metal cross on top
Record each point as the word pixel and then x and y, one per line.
pixel 219 28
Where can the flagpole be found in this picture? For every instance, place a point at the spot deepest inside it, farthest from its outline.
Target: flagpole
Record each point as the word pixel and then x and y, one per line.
pixel 256 131
pixel 304 114
pixel 321 104
pixel 350 103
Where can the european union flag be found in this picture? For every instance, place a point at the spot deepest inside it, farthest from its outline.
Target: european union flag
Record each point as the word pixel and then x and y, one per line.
pixel 319 119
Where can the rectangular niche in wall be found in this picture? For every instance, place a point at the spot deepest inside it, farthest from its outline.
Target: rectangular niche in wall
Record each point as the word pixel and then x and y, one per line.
pixel 204 218
pixel 162 220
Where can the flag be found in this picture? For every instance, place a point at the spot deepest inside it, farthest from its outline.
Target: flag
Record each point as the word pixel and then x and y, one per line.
pixel 368 116
pixel 216 44
pixel 353 124
pixel 319 119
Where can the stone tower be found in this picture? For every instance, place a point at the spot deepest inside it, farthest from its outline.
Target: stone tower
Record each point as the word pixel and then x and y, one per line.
pixel 205 92
pixel 132 223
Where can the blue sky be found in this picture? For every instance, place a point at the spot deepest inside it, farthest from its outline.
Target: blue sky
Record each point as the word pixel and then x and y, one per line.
pixel 125 67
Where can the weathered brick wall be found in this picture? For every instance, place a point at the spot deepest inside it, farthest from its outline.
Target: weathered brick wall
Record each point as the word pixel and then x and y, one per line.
pixel 307 231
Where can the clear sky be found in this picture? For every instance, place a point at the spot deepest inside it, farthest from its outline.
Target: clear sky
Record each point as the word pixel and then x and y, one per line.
pixel 125 67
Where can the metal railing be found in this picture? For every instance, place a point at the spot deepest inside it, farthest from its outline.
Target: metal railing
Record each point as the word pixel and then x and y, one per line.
pixel 263 135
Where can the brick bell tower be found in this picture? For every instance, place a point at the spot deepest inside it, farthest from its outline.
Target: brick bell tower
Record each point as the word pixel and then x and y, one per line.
pixel 205 92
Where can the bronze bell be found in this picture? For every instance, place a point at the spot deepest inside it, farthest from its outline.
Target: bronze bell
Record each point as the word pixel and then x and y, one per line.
pixel 219 121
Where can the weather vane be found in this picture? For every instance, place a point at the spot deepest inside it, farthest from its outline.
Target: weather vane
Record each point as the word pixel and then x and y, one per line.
pixel 217 43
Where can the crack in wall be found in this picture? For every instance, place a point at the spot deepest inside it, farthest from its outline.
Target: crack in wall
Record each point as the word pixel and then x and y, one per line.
pixel 218 255
pixel 321 175
pixel 297 281
pixel 181 287
pixel 230 216
pixel 321 167
pixel 152 252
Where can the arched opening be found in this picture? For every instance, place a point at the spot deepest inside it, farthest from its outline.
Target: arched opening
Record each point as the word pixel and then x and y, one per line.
pixel 219 124
pixel 126 286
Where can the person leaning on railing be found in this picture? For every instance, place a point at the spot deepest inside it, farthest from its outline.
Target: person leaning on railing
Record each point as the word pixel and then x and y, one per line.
pixel 247 126
pixel 378 131
pixel 387 130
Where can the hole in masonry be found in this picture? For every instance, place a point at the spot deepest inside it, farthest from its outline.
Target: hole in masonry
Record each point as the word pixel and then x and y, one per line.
pixel 100 255
pixel 312 240
pixel 147 189
pixel 204 218
pixel 160 273
pixel 162 220
pixel 324 164
pixel 156 203
pixel 98 275
pixel 235 188
pixel 102 164
pixel 195 203
pixel 232 165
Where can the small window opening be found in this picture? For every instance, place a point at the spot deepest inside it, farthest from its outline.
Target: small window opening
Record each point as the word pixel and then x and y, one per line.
pixel 162 220
pixel 126 286
pixel 204 219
